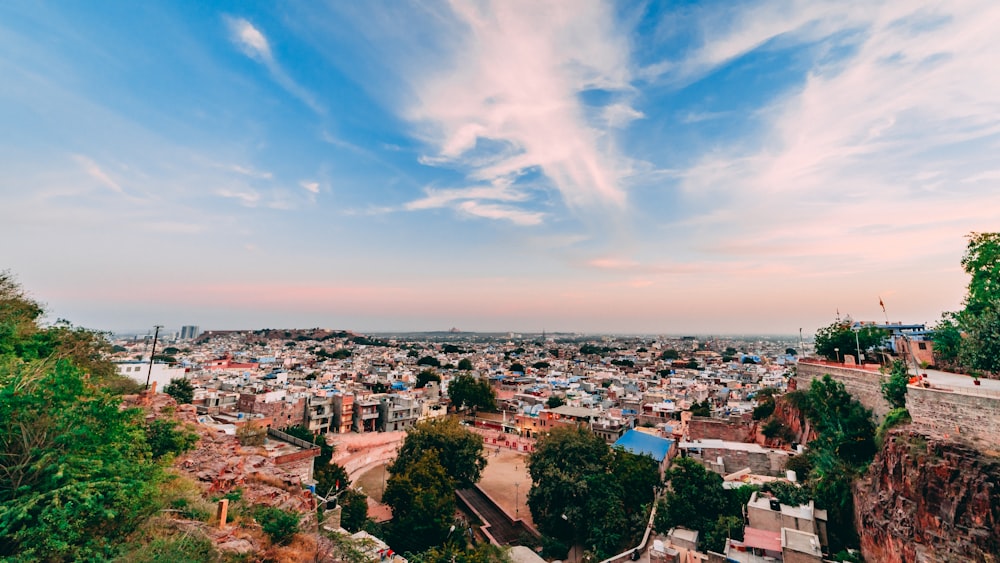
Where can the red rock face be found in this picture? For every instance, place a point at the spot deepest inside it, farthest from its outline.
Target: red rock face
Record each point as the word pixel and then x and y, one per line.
pixel 925 498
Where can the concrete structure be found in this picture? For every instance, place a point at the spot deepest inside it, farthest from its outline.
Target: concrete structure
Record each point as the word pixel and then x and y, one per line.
pixel 283 409
pixel 160 376
pixel 800 547
pixel 189 332
pixel 343 413
pixel 397 412
pixel 724 457
pixel 366 414
pixel 766 513
pixel 319 413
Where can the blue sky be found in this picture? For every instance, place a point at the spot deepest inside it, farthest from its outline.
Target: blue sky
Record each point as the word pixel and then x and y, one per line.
pixel 661 167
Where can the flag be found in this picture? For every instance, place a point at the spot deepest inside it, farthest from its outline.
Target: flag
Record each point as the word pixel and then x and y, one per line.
pixel 881 304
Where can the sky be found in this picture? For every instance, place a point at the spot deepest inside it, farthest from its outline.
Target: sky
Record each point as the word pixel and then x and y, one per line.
pixel 642 167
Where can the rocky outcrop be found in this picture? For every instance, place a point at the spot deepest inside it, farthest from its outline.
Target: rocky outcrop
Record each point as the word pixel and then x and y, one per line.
pixel 926 498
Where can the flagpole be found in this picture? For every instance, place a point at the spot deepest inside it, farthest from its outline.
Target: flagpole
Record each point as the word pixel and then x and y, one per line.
pixel 883 310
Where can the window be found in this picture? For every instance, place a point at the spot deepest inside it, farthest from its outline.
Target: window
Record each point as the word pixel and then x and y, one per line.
pixel 922 345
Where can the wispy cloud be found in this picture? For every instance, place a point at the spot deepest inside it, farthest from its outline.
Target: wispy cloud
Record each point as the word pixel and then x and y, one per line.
pixel 871 158
pixel 509 99
pixel 312 187
pixel 97 173
pixel 501 212
pixel 255 45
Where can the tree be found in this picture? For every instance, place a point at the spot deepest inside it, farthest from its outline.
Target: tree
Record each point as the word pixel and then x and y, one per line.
pixel 354 510
pixel 791 352
pixel 837 341
pixel 422 499
pixel 947 339
pixel 180 389
pixel 670 354
pixel 460 451
pixel 429 361
pixel 166 436
pixel 541 365
pixel 279 525
pixel 426 376
pixel 517 367
pixel 695 497
pixel 981 349
pixel 554 401
pixel 465 364
pixel 703 408
pixel 982 262
pixel 894 387
pixel 472 392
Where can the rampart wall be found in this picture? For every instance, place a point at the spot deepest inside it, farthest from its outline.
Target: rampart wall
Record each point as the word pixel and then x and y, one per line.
pixel 865 385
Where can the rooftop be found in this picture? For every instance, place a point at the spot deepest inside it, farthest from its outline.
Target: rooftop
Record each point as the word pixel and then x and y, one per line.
pixel 641 443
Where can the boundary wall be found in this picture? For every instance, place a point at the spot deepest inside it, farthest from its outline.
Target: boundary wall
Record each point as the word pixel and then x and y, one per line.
pixel 959 413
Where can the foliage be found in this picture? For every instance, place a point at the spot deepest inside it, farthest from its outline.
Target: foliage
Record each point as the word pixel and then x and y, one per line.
pixel 838 335
pixel 774 428
pixel 426 376
pixel 894 418
pixel 670 354
pixel 354 510
pixel 791 352
pixel 947 339
pixel 718 532
pixel 481 553
pixel 800 464
pixel 764 408
pixel 695 498
pixel 541 365
pixel 190 546
pixel 279 525
pixel 422 498
pixel 554 401
pixel 692 364
pixel 703 408
pixel 584 492
pixel 180 389
pixel 166 436
pixel 460 451
pixel 981 349
pixel 894 387
pixel 788 493
pixel 982 262
pixel 517 367
pixel 465 364
pixel 429 361
pixel 77 471
pixel 472 392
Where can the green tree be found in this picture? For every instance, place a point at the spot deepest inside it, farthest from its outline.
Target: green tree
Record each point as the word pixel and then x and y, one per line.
pixel 554 401
pixel 980 350
pixel 354 510
pixel 472 392
pixel 461 451
pixel 670 354
pixel 517 367
pixel 167 436
pixel 982 262
pixel 839 336
pixel 541 365
pixel 465 364
pixel 429 361
pixel 180 389
pixel 703 408
pixel 279 525
pixel 426 376
pixel 422 499
pixel 695 497
pixel 78 477
pixel 947 340
pixel 894 387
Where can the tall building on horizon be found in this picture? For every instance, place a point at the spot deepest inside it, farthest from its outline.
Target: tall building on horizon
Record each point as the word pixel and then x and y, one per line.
pixel 189 332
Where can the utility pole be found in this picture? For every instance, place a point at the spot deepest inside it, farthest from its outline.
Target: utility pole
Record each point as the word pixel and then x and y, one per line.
pixel 153 353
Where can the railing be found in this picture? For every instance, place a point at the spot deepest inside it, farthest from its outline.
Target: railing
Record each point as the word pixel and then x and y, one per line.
pixel 278 434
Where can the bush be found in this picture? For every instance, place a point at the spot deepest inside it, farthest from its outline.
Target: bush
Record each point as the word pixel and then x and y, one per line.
pixel 763 410
pixel 251 434
pixel 894 418
pixel 279 525
pixel 801 465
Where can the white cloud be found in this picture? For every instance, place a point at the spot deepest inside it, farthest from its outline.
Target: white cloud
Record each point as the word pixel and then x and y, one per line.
pixel 312 187
pixel 254 44
pixel 885 153
pixel 620 115
pixel 249 198
pixel 97 173
pixel 501 212
pixel 508 100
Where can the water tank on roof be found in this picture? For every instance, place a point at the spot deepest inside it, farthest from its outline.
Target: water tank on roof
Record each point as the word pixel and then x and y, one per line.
pixel 791 476
pixel 775 505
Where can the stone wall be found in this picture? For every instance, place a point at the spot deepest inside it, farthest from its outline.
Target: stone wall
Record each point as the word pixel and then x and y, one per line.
pixel 734 429
pixel 962 415
pixel 865 385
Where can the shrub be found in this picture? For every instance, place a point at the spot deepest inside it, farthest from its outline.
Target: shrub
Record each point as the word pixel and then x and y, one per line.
pixel 894 418
pixel 279 525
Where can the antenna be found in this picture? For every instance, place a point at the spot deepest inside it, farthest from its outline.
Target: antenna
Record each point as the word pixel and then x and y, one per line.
pixel 151 354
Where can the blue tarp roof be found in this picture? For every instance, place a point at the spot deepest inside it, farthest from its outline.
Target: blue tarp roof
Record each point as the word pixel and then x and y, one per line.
pixel 641 443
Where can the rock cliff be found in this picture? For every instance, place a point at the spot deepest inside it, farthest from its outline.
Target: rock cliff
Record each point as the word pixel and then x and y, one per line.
pixel 926 498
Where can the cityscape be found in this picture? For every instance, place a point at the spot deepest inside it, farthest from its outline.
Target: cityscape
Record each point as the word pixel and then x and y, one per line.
pixel 497 281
